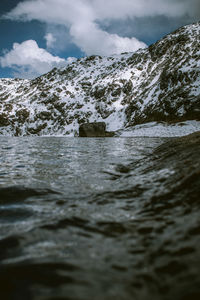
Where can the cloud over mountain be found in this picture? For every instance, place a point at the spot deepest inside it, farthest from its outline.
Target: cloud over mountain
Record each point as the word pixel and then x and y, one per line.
pixel 28 60
pixel 90 25
pixel 81 19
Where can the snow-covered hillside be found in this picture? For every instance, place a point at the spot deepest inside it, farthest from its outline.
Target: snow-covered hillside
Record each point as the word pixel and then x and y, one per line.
pixel 160 83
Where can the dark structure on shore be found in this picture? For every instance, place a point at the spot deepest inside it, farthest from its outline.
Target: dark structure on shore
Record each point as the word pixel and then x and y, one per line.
pixel 96 129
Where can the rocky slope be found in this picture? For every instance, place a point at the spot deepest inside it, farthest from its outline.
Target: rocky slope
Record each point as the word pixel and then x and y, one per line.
pixel 160 83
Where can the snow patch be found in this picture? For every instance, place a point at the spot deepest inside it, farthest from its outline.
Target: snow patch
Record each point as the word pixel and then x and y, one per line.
pixel 154 129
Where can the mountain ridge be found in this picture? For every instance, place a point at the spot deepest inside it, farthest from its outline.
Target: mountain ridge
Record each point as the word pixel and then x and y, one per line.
pixel 158 83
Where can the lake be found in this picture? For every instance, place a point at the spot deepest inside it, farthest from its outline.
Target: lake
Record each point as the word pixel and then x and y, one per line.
pixel 78 221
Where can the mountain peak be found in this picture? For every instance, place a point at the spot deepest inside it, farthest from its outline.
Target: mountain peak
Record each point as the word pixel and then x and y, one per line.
pixel 159 83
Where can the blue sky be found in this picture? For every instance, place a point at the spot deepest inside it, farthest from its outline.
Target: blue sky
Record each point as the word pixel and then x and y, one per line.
pixel 37 35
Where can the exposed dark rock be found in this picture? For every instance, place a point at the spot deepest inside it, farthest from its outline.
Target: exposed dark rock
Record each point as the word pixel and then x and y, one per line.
pixel 96 129
pixel 4 120
pixel 36 131
pixel 110 133
pixel 22 115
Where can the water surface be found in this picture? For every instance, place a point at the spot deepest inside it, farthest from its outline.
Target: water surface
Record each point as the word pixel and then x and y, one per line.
pixel 77 222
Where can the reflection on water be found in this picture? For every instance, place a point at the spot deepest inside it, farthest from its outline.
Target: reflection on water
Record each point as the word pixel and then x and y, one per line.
pixel 79 220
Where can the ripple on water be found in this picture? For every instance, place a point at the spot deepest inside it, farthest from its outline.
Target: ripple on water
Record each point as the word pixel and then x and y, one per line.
pixel 110 219
pixel 14 194
pixel 14 214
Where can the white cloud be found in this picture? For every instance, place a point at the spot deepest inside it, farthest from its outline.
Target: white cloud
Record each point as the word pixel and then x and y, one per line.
pixel 120 9
pixel 83 19
pixel 69 11
pixel 100 42
pixel 29 61
pixel 50 40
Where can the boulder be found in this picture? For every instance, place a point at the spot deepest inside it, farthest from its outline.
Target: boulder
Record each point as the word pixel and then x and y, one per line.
pixel 95 129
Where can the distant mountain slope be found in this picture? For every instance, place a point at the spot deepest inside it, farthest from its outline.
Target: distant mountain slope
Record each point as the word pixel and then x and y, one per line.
pixel 160 83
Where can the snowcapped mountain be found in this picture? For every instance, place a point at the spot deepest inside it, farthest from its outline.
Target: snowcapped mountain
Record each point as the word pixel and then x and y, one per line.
pixel 159 83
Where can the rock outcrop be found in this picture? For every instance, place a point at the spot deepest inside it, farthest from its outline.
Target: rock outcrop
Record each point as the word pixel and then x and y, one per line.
pixel 95 129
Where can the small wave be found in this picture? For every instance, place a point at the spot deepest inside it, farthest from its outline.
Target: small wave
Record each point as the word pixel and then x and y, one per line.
pixel 17 280
pixel 14 214
pixel 21 193
pixel 8 245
